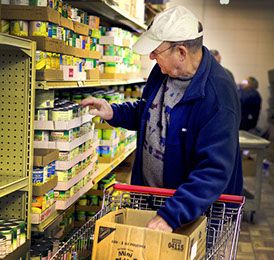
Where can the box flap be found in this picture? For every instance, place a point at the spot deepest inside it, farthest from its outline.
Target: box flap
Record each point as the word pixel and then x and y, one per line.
pixel 43 157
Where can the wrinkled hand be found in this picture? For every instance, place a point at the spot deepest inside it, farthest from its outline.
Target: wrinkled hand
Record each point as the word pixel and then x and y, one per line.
pixel 158 223
pixel 98 107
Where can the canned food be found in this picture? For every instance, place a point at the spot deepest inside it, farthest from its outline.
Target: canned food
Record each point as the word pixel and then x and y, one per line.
pixel 19 2
pixel 41 114
pixel 37 28
pixel 22 226
pixel 3 252
pixel 19 28
pixel 81 215
pixel 16 233
pixel 8 233
pixel 40 135
pixel 5 26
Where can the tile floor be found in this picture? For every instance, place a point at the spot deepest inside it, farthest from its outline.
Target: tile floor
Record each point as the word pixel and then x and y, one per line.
pixel 257 240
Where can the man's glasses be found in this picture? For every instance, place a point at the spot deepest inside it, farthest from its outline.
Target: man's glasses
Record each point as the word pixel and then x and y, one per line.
pixel 155 52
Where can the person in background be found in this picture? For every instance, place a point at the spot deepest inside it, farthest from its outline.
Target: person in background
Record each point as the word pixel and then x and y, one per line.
pixel 216 54
pixel 250 103
pixel 187 121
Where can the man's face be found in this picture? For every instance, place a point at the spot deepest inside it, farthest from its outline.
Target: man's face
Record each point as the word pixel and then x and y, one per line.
pixel 168 59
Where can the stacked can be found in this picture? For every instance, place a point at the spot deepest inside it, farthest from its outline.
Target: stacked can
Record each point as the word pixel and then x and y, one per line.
pixel 12 235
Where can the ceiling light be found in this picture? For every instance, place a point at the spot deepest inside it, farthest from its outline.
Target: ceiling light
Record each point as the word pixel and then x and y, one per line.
pixel 224 2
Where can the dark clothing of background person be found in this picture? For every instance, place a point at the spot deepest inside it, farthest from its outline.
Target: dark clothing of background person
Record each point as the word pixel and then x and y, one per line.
pixel 250 108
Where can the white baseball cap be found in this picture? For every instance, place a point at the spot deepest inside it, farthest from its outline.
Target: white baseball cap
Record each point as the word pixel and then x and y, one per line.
pixel 174 24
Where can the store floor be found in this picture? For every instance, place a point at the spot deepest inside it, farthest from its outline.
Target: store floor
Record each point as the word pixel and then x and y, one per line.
pixel 257 240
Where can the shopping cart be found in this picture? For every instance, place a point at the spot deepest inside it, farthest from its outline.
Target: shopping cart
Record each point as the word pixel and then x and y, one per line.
pixel 223 221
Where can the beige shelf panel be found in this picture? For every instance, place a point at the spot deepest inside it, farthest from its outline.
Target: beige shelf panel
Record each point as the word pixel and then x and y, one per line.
pixel 46 85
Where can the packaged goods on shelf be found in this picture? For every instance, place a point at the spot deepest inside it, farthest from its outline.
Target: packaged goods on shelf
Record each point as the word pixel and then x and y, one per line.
pixel 12 235
pixel 38 28
pixel 19 2
pixel 41 203
pixel 40 135
pixel 19 28
pixel 44 99
pixel 41 175
pixel 5 26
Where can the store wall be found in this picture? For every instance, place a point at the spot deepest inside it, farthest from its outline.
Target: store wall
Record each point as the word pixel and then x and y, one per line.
pixel 243 32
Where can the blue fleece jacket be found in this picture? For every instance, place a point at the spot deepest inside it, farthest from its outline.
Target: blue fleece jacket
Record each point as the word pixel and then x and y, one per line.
pixel 202 155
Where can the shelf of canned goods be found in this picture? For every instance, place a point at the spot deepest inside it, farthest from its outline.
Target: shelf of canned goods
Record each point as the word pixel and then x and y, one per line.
pixel 16 142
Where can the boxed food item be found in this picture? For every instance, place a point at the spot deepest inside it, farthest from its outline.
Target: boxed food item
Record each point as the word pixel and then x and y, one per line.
pixel 125 235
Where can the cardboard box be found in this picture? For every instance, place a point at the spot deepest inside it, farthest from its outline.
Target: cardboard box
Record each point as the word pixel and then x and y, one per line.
pixel 124 169
pixel 80 28
pixel 42 157
pixel 30 13
pixel 67 23
pixel 94 22
pixel 125 236
pixel 72 73
pixel 249 166
pixel 111 40
pixel 39 218
pixel 113 76
pixel 47 44
pixel 43 189
pixel 122 175
pixel 93 74
pixel 133 75
pixel 49 75
pixel 107 159
pixel 103 126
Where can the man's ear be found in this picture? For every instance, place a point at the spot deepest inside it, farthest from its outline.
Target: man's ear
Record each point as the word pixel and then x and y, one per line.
pixel 182 51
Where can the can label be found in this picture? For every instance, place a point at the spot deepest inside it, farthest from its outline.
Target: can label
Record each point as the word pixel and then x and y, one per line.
pixel 19 28
pixel 37 28
pixel 5 26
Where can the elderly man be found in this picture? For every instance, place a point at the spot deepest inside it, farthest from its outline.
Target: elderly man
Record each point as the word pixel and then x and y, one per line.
pixel 187 121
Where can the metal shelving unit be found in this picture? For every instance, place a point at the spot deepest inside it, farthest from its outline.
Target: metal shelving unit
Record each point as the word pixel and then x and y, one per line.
pixel 46 85
pixel 17 115
pixel 110 12
pixel 17 77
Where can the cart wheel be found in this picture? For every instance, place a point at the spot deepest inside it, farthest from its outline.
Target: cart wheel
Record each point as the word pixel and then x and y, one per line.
pixel 252 216
pixel 249 216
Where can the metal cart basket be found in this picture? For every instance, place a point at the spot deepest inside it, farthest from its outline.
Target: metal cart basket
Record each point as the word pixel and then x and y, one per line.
pixel 223 221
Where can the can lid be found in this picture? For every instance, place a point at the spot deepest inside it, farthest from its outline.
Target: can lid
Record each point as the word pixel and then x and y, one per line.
pixel 11 224
pixel 2 237
pixel 5 228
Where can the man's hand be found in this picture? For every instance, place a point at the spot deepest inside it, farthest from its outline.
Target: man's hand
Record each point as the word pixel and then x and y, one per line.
pixel 158 223
pixel 98 107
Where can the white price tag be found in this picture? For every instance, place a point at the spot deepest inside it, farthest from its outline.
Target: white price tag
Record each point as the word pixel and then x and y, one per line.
pixel 193 251
pixel 80 84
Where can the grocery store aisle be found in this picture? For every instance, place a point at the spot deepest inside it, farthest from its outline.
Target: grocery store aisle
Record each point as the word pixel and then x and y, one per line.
pixel 257 240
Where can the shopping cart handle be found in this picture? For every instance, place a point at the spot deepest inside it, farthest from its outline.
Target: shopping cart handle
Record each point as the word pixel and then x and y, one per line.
pixel 143 189
pixel 232 198
pixel 168 192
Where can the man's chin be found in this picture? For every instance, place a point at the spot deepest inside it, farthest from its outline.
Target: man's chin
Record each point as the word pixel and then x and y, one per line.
pixel 163 71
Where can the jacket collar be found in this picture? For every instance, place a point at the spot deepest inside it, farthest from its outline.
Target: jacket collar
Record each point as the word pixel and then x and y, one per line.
pixel 196 88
